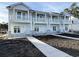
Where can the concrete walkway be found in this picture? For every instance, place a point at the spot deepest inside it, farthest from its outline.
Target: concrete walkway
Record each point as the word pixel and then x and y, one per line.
pixel 66 37
pixel 46 49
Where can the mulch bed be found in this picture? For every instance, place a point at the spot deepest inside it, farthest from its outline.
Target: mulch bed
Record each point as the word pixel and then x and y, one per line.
pixel 65 45
pixel 18 48
pixel 72 52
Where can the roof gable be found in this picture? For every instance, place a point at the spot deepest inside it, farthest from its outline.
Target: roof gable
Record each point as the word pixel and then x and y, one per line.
pixel 20 6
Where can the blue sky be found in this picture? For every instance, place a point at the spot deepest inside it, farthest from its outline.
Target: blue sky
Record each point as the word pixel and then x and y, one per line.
pixel 42 6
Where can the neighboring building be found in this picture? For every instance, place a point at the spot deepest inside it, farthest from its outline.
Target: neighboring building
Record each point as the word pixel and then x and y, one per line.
pixel 75 24
pixel 25 21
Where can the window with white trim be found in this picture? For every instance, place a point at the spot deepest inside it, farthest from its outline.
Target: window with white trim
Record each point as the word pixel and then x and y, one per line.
pixel 54 17
pixel 16 29
pixel 62 17
pixel 18 15
pixel 54 28
pixel 36 29
pixel 67 17
pixel 66 28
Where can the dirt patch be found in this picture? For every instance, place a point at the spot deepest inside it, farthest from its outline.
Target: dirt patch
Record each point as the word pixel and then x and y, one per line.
pixel 18 48
pixel 67 45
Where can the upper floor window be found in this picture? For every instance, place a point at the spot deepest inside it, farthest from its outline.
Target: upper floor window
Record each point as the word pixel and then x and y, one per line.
pixel 67 17
pixel 54 17
pixel 18 15
pixel 40 15
pixel 16 29
pixel 24 15
pixel 62 17
pixel 33 16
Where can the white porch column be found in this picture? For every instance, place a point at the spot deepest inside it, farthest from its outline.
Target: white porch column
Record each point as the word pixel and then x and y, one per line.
pixel 60 27
pixel 46 20
pixel 45 17
pixel 51 16
pixel 49 21
pixel 14 15
pixel 28 15
pixel 36 16
pixel 64 23
pixel 21 16
pixel 64 17
pixel 11 18
pixel 9 23
pixel 29 19
pixel 31 22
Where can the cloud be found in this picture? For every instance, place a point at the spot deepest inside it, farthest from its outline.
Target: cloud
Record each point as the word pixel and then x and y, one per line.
pixel 49 7
pixel 3 17
pixel 3 14
pixel 43 6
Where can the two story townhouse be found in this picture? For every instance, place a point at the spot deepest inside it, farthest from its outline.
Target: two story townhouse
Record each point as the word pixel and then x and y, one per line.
pixel 24 21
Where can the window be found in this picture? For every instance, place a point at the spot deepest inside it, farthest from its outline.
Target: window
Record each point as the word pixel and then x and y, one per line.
pixel 72 22
pixel 36 29
pixel 18 15
pixel 66 28
pixel 24 16
pixel 54 28
pixel 40 15
pixel 62 17
pixel 16 29
pixel 54 17
pixel 67 17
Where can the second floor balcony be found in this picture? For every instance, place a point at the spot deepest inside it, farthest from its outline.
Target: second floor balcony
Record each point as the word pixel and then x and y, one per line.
pixel 60 21
pixel 40 20
pixel 21 20
pixel 66 21
pixel 54 21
